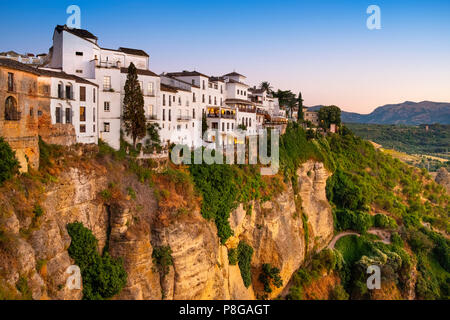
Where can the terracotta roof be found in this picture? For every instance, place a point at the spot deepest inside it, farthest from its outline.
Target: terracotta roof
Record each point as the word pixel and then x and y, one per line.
pixel 216 79
pixel 256 90
pixel 234 74
pixel 63 75
pixel 186 74
pixel 136 52
pixel 238 82
pixel 238 101
pixel 165 87
pixel 141 72
pixel 13 64
pixel 42 72
pixel 182 81
pixel 78 32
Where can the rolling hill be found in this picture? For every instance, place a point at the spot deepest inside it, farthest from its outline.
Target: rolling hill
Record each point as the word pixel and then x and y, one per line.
pixel 409 113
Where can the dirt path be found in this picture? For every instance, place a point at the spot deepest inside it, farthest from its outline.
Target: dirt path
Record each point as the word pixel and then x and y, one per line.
pixel 384 235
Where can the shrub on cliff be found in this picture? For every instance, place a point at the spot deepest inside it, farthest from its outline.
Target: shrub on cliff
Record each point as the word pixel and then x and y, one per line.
pixel 103 276
pixel 245 253
pixel 8 162
pixel 270 276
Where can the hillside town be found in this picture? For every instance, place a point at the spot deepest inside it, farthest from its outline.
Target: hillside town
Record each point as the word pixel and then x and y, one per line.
pixel 75 93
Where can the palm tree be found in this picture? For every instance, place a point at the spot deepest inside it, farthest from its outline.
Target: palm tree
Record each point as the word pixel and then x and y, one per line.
pixel 266 86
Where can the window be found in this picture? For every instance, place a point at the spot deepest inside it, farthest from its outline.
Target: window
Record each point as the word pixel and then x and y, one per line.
pixel 250 122
pixel 193 97
pixel 164 115
pixel 31 112
pixel 232 126
pixel 228 126
pixel 106 127
pixel 82 114
pixel 150 89
pixel 164 99
pixel 106 83
pixel 93 128
pixel 79 71
pixel 10 81
pixel 93 115
pixel 215 101
pixel 193 81
pixel 60 91
pixel 209 100
pixel 203 98
pixel 179 101
pixel 170 115
pixel 150 111
pixel 68 115
pixel 223 126
pixel 11 112
pixel 170 101
pixel 238 92
pixel 93 95
pixel 82 128
pixel 193 113
pixel 221 89
pixel 106 106
pixel 58 115
pixel 82 93
pixel 79 53
pixel 69 93
pixel 204 87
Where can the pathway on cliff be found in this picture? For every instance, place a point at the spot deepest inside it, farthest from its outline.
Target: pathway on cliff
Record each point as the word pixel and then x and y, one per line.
pixel 383 234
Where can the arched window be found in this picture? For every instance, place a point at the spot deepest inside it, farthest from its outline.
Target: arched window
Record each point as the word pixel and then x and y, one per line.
pixel 11 112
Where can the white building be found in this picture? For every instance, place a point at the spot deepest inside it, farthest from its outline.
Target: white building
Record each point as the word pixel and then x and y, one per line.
pixel 175 101
pixel 76 51
pixel 73 100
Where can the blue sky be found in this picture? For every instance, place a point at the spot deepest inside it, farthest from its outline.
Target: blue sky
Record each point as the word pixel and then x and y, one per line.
pixel 322 48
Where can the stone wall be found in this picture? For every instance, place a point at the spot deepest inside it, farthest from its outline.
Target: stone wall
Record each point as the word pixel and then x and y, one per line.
pixel 22 134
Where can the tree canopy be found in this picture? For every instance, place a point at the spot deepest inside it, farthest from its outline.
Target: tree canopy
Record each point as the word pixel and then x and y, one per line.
pixel 133 104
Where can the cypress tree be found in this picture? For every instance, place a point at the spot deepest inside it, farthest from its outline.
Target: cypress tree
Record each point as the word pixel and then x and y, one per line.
pixel 133 104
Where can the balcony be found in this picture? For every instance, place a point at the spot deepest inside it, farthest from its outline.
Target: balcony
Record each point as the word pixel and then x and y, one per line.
pixel 247 109
pixel 184 118
pixel 107 64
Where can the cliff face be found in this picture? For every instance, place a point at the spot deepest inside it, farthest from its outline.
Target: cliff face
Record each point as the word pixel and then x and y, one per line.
pixel 275 229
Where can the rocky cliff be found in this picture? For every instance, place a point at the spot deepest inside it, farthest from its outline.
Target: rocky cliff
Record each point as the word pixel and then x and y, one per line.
pixel 35 248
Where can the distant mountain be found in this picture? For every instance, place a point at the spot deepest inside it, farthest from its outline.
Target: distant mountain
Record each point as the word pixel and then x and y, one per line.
pixel 410 113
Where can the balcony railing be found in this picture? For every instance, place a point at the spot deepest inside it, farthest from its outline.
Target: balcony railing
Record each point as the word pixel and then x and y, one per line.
pixel 107 64
pixel 152 118
pixel 248 110
pixel 224 116
pixel 184 118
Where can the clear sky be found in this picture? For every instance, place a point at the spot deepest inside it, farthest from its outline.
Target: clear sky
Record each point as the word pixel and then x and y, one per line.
pixel 322 48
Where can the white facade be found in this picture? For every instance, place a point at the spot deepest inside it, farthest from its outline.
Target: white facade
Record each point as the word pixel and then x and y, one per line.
pixel 73 100
pixel 176 101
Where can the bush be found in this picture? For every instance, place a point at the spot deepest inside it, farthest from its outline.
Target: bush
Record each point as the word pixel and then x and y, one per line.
pixel 9 165
pixel 339 293
pixel 245 253
pixel 385 222
pixel 351 220
pixel 103 276
pixel 162 258
pixel 270 276
pixel 344 193
pixel 232 256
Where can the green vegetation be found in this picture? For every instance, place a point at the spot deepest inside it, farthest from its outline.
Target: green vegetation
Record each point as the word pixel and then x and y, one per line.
pixel 133 107
pixel 232 256
pixel 22 287
pixel 9 165
pixel 103 276
pixel 329 115
pixel 245 253
pixel 270 277
pixel 162 258
pixel 327 260
pixel 410 139
pixel 223 187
